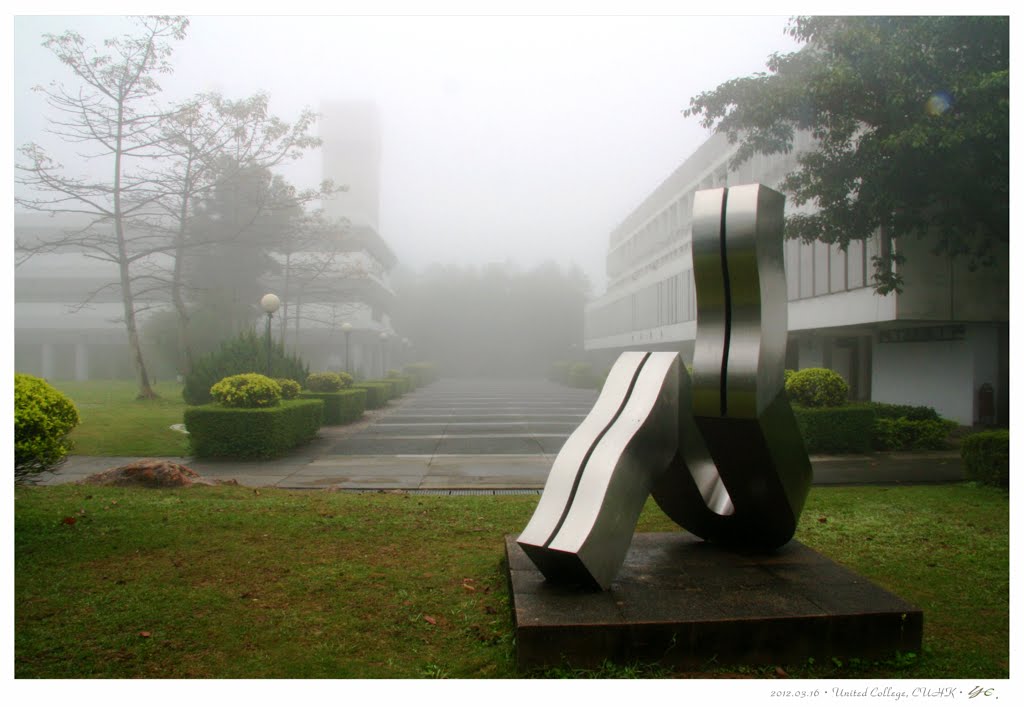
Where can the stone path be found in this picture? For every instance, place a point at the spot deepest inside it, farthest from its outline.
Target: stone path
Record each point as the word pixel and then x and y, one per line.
pixel 479 436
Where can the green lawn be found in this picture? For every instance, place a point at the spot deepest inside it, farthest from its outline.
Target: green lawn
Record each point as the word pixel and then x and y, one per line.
pixel 240 583
pixel 113 423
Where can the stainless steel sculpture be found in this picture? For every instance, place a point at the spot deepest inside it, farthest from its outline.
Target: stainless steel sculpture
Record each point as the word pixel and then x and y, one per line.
pixel 722 456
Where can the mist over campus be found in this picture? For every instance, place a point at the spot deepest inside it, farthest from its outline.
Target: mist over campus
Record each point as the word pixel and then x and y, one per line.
pixel 479 194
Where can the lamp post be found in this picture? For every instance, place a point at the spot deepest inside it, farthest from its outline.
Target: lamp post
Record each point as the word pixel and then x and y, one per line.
pixel 383 354
pixel 346 328
pixel 270 303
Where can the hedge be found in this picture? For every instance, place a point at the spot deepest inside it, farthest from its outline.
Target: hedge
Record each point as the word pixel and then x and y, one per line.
pixel 394 388
pixel 986 457
pixel 251 433
pixel 423 372
pixel 891 411
pixel 403 384
pixel 581 375
pixel 902 433
pixel 558 372
pixel 830 430
pixel 341 407
pixel 377 393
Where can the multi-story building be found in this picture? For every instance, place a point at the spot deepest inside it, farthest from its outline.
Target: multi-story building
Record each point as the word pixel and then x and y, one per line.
pixel 58 338
pixel 942 342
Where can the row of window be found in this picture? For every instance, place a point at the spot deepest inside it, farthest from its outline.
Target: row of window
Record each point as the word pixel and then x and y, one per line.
pixel 812 270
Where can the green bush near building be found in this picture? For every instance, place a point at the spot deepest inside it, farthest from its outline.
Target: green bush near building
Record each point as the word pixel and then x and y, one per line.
pixel 903 434
pixel 986 457
pixel 247 390
pixel 817 387
pixel 558 372
pixel 581 375
pixel 422 372
pixel 402 384
pixel 340 407
pixel 833 430
pixel 219 432
pixel 377 393
pixel 43 418
pixel 245 353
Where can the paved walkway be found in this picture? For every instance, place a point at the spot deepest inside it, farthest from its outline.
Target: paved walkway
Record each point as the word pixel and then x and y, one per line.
pixel 477 436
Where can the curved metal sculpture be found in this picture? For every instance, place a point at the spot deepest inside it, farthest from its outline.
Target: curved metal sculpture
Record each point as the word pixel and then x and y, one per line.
pixel 723 455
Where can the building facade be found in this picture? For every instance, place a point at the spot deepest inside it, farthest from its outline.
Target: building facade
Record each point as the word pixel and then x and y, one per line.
pixel 942 342
pixel 69 319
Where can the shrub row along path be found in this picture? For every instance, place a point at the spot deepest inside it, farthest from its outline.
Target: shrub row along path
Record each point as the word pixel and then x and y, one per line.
pixel 466 435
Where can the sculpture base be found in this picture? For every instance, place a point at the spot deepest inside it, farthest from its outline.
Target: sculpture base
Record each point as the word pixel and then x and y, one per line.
pixel 689 605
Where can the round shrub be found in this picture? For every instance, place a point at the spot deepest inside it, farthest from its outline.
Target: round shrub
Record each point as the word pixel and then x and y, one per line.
pixel 328 382
pixel 289 389
pixel 43 416
pixel 817 387
pixel 247 390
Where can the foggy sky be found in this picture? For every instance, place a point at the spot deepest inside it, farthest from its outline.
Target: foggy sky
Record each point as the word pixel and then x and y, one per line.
pixel 503 138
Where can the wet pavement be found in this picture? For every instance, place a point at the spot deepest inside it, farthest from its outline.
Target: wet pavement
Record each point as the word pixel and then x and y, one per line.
pixel 475 435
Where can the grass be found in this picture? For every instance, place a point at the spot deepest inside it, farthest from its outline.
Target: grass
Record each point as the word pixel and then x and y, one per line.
pixel 115 424
pixel 242 583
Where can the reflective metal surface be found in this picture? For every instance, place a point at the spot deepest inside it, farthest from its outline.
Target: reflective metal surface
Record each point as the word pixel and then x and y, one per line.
pixel 581 529
pixel 722 455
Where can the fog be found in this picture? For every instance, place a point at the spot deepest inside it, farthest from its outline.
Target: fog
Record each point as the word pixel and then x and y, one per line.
pixel 520 139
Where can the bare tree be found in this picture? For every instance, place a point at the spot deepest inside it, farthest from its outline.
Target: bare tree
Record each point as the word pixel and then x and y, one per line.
pixel 112 114
pixel 209 142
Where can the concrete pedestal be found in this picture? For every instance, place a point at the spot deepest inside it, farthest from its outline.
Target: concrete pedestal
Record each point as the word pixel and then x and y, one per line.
pixel 687 604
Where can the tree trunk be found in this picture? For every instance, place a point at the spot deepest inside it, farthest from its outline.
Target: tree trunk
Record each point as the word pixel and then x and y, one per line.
pixel 145 389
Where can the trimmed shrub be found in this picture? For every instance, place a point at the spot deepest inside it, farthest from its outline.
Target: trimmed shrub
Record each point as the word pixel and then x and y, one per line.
pixel 849 428
pixel 890 411
pixel 817 387
pixel 247 390
pixel 422 373
pixel 902 433
pixel 786 374
pixel 219 432
pixel 327 382
pixel 43 417
pixel 289 388
pixel 402 383
pixel 559 372
pixel 394 388
pixel 245 353
pixel 377 393
pixel 986 457
pixel 581 375
pixel 341 407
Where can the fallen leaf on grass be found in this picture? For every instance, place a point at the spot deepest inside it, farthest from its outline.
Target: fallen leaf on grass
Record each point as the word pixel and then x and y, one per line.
pixel 69 520
pixel 780 673
pixel 144 634
pixel 430 620
pixel 823 519
pixel 469 587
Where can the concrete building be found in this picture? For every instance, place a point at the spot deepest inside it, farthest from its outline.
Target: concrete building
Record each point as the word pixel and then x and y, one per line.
pixel 351 154
pixel 60 339
pixel 941 342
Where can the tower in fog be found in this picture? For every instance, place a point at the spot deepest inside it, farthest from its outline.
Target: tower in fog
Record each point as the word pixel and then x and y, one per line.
pixel 350 131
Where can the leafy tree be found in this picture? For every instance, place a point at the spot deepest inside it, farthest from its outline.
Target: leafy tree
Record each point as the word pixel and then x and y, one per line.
pixel 112 115
pixel 911 121
pixel 206 143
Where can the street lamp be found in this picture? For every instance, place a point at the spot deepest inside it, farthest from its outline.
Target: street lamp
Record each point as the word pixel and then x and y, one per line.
pixel 384 353
pixel 347 328
pixel 270 303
